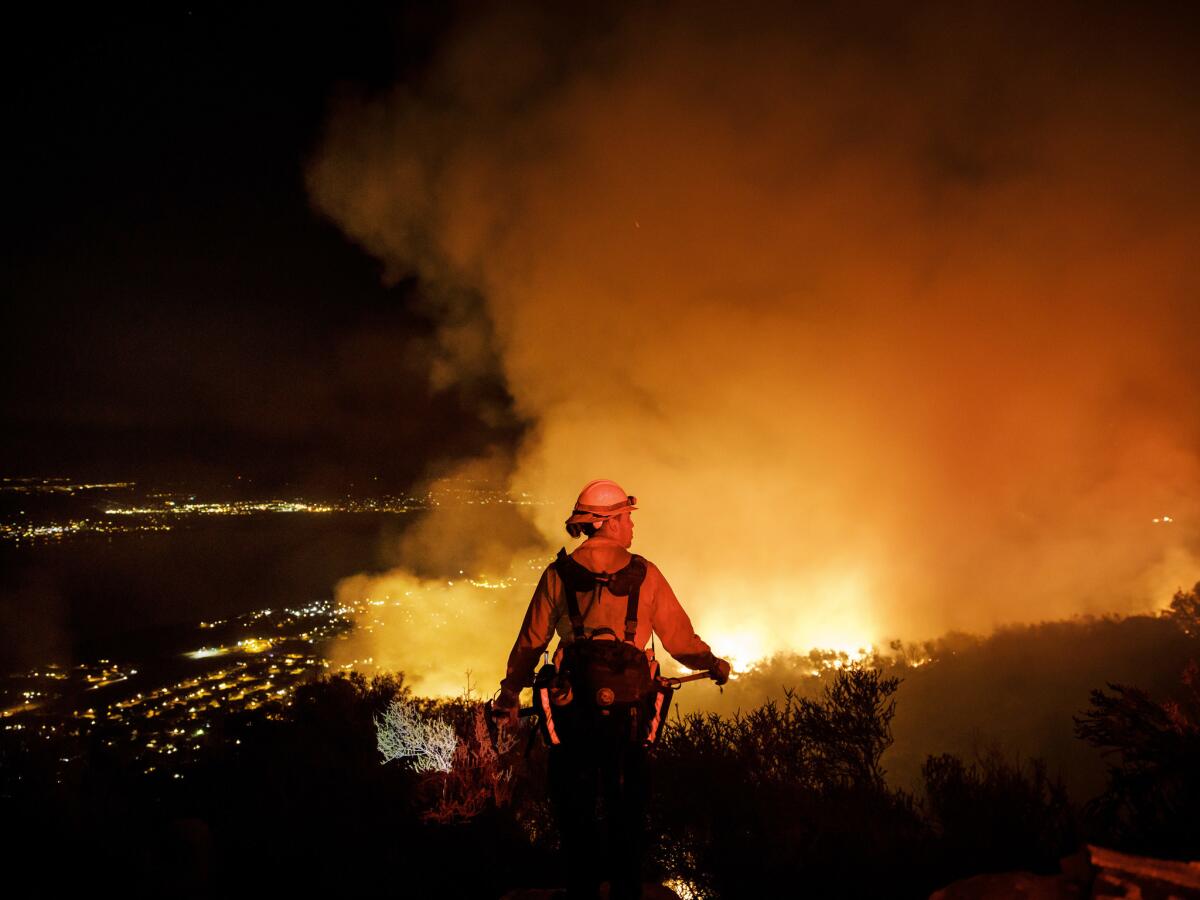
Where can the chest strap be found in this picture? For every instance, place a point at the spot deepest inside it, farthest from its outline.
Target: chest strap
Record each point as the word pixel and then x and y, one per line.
pixel 578 579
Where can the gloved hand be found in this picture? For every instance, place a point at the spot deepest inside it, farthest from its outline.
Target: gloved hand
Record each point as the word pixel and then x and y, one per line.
pixel 505 707
pixel 720 672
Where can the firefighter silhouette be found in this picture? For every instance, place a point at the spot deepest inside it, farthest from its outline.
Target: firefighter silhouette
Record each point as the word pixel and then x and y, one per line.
pixel 600 702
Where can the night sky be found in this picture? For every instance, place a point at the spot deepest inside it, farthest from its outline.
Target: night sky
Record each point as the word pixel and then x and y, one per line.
pixel 176 310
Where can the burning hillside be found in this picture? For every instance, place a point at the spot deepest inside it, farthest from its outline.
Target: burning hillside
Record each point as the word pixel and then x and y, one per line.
pixel 887 334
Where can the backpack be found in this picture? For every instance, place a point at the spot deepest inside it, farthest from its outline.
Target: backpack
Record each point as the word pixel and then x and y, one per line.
pixel 598 681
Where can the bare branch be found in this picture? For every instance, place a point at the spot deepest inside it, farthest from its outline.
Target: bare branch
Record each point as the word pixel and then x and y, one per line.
pixel 429 743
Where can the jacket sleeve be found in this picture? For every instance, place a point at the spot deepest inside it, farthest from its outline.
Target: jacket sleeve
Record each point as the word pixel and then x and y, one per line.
pixel 672 624
pixel 532 640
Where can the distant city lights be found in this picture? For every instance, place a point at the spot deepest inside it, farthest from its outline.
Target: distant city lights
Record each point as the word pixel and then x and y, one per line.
pixel 165 708
pixel 159 511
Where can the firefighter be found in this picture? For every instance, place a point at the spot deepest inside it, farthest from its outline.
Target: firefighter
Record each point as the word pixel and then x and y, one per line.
pixel 605 603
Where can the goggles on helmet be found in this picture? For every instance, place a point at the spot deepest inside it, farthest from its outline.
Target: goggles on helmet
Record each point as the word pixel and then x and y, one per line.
pixel 586 512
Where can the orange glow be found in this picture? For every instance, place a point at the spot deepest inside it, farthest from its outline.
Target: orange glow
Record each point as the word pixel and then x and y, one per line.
pixel 888 338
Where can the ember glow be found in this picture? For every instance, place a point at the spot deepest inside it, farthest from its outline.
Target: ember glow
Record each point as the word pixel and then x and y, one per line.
pixel 889 335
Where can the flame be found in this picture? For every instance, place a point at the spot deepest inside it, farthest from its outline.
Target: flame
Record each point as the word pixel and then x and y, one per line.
pixel 748 621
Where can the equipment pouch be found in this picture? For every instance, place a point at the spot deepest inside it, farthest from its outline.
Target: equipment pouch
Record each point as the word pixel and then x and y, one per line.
pixel 607 673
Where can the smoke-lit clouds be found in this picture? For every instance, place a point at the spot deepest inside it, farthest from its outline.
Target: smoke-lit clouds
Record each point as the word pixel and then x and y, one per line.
pixel 887 319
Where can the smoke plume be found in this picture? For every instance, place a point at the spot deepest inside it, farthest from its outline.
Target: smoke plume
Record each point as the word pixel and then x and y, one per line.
pixel 888 317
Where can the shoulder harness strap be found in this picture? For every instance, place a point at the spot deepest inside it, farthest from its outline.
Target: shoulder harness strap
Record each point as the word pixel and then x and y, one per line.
pixel 566 568
pixel 577 579
pixel 637 570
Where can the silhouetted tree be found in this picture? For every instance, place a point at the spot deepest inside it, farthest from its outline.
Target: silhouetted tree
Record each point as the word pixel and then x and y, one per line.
pixel 994 815
pixel 789 798
pixel 1185 610
pixel 1153 793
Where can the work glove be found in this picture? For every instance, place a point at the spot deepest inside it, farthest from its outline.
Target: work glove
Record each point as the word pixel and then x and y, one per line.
pixel 720 672
pixel 506 707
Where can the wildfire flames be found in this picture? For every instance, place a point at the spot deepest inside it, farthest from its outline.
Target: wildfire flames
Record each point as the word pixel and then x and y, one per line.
pixel 888 335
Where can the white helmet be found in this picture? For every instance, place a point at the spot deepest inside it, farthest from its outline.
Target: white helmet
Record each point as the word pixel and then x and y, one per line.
pixel 599 500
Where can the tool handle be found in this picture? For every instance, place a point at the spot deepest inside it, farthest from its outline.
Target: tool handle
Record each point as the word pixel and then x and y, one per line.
pixel 695 676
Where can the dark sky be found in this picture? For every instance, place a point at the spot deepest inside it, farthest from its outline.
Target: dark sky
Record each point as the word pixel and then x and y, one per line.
pixel 175 307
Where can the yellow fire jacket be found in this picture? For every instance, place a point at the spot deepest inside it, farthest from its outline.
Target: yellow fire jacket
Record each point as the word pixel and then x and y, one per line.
pixel 659 611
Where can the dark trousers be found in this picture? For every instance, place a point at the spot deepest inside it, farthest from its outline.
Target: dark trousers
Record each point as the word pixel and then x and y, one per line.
pixel 601 763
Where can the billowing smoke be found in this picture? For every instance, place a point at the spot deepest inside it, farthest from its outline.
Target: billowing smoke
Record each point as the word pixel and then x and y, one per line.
pixel 888 318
